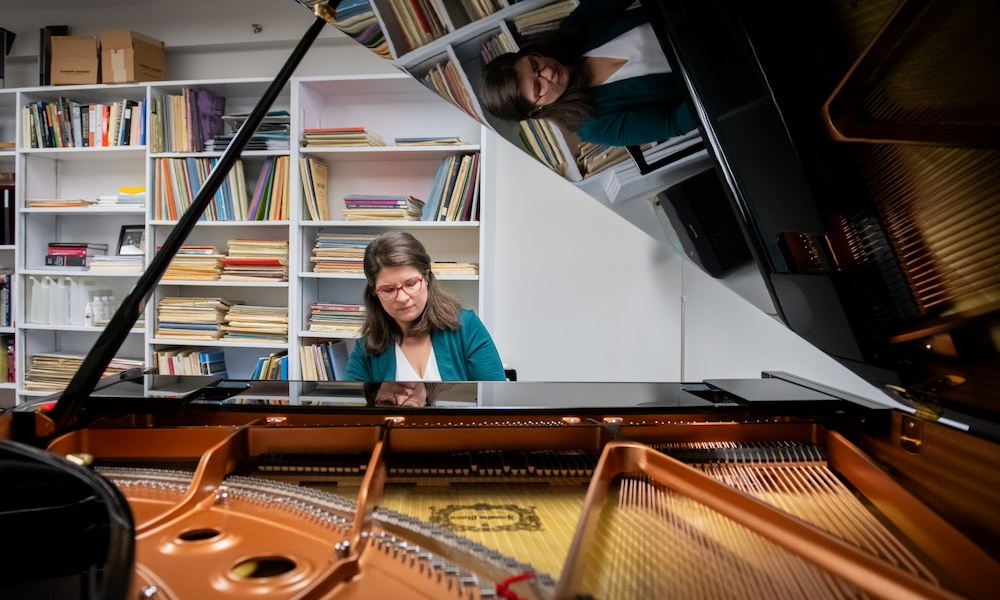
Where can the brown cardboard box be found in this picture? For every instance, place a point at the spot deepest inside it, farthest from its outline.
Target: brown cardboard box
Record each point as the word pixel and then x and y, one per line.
pixel 74 60
pixel 128 57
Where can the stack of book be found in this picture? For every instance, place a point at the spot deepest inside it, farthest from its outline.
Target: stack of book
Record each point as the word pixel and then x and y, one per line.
pixel 126 196
pixel 191 318
pixel 454 268
pixel 340 252
pixel 382 208
pixel 190 361
pixel 52 371
pixel 195 263
pixel 542 21
pixel 255 260
pixel 73 254
pixel 245 322
pixel 272 134
pixel 594 158
pixel 436 140
pixel 340 136
pixel 60 203
pixel 128 263
pixel 325 361
pixel 342 319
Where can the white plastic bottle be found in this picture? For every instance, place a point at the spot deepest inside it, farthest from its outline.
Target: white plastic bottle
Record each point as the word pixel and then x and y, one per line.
pixel 97 308
pixel 88 314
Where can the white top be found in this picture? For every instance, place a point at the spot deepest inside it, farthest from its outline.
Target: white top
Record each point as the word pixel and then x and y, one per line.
pixel 639 48
pixel 404 372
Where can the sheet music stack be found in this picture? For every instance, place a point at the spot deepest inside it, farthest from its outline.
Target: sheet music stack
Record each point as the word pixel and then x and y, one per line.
pixel 343 319
pixel 245 322
pixel 195 263
pixel 191 318
pixel 382 208
pixel 340 252
pixel 255 260
pixel 319 137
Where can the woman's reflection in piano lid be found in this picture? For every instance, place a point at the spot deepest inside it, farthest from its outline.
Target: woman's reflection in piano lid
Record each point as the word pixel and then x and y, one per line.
pixel 405 394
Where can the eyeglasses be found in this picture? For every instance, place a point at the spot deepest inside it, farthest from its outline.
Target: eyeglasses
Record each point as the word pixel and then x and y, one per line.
pixel 409 287
pixel 538 89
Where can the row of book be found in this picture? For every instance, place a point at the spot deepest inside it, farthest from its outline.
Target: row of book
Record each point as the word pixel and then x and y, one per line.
pixel 183 122
pixel 357 19
pixel 324 361
pixel 273 367
pixel 445 79
pixel 66 123
pixel 52 371
pixel 454 194
pixel 314 173
pixel 8 214
pixel 421 21
pixel 8 362
pixel 178 180
pixel 190 361
pixel 6 306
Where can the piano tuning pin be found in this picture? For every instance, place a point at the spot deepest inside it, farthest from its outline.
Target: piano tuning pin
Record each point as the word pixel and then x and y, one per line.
pixel 81 458
pixel 149 591
pixel 221 496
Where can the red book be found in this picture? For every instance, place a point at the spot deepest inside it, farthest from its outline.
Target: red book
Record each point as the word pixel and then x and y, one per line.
pixel 70 252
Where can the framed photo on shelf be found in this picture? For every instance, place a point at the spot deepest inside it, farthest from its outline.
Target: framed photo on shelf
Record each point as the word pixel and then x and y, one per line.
pixel 132 240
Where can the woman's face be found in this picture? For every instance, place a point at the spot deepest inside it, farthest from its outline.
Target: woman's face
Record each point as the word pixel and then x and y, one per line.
pixel 542 80
pixel 402 292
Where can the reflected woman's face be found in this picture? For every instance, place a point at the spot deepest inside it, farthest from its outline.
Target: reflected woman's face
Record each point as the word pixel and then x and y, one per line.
pixel 401 393
pixel 542 80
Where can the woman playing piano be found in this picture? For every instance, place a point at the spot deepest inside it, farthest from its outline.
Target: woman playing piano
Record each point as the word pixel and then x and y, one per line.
pixel 603 75
pixel 414 329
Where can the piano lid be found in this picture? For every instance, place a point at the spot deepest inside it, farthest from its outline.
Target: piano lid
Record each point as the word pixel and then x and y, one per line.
pixel 831 224
pixel 857 147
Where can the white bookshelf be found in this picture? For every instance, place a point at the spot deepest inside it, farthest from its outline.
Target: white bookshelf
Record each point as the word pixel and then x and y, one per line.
pixel 393 105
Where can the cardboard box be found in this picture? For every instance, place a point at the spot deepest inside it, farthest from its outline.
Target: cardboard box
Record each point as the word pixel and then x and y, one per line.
pixel 129 57
pixel 74 60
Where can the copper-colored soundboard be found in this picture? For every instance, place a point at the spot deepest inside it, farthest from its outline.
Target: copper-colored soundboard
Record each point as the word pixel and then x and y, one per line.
pixel 422 506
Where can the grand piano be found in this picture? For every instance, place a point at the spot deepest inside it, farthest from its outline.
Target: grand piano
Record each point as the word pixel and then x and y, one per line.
pixel 154 486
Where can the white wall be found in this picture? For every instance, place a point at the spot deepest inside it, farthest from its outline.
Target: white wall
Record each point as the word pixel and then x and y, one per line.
pixel 578 294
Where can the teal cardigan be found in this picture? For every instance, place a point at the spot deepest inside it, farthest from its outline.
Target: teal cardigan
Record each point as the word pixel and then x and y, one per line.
pixel 463 354
pixel 629 111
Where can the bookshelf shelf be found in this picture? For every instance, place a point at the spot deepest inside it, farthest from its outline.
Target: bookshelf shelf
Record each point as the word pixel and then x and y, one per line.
pixel 85 154
pixel 83 328
pixel 226 283
pixel 385 104
pixel 222 343
pixel 93 211
pixel 162 223
pixel 79 272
